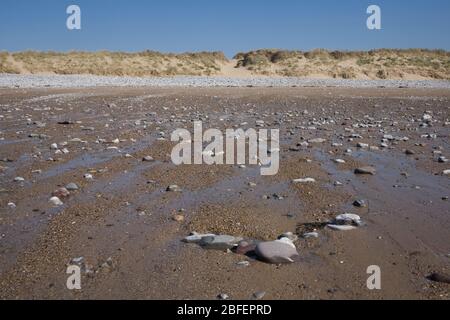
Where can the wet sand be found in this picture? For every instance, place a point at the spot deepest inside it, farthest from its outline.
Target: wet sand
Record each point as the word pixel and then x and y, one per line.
pixel 122 221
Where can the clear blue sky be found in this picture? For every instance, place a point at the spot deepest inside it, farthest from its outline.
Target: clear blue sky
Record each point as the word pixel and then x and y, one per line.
pixel 230 26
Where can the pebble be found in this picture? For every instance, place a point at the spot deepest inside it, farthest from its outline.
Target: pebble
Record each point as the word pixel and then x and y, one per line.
pixel 195 237
pixel 223 296
pixel 276 252
pixel 365 170
pixel 340 161
pixel 148 159
pixel 88 176
pixel 439 277
pixel 259 295
pixel 61 193
pixel 289 235
pixel 245 247
pixel 178 218
pixel 345 222
pixel 19 179
pixel 72 186
pixel 11 205
pixel 173 188
pixel 219 242
pixel 304 180
pixel 309 235
pixel 362 145
pixel 317 140
pixel 359 203
pixel 55 201
pixel 243 263
pixel 446 172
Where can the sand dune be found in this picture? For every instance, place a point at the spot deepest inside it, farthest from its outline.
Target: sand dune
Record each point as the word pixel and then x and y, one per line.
pixel 413 64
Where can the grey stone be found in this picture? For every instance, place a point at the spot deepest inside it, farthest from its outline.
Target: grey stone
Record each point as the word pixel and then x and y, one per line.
pixel 219 242
pixel 366 170
pixel 276 252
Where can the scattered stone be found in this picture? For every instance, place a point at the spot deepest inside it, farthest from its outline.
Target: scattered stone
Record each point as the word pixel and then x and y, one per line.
pixel 317 140
pixel 439 277
pixel 339 161
pixel 148 159
pixel 276 252
pixel 345 222
pixel 365 170
pixel 11 205
pixel 340 228
pixel 173 188
pixel 446 172
pixel 244 263
pixel 442 159
pixel 359 203
pixel 88 176
pixel 362 145
pixel 304 180
pixel 55 201
pixel 19 179
pixel 409 152
pixel 289 235
pixel 72 186
pixel 61 193
pixel 223 296
pixel 245 247
pixel 195 237
pixel 309 235
pixel 259 295
pixel 219 242
pixel 178 218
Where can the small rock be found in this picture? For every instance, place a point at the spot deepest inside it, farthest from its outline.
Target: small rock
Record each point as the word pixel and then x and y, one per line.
pixel 304 180
pixel 365 170
pixel 359 203
pixel 340 228
pixel 439 277
pixel 178 218
pixel 276 252
pixel 259 295
pixel 219 242
pixel 223 296
pixel 19 179
pixel 61 193
pixel 362 145
pixel 245 247
pixel 289 235
pixel 195 237
pixel 309 235
pixel 148 159
pixel 244 263
pixel 88 176
pixel 409 152
pixel 173 188
pixel 72 186
pixel 11 205
pixel 55 201
pixel 317 140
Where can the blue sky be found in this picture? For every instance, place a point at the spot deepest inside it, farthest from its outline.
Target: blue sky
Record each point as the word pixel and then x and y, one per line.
pixel 230 26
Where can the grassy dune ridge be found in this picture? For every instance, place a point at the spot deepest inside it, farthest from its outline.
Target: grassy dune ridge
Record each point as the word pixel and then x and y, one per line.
pixel 319 63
